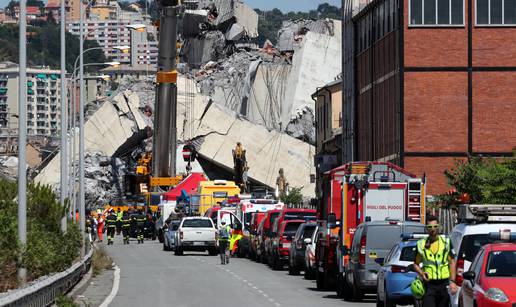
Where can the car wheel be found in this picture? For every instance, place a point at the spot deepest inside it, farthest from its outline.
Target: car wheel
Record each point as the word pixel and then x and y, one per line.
pixel 358 295
pixel 178 251
pixel 292 270
pixel 165 247
pixel 319 280
pixel 340 285
pixel 347 291
pixel 213 252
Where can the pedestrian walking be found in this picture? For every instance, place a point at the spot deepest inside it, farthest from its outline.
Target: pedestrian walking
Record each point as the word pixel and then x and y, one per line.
pixel 100 224
pixel 119 215
pixel 223 240
pixel 111 226
pixel 437 273
pixel 140 223
pixel 126 226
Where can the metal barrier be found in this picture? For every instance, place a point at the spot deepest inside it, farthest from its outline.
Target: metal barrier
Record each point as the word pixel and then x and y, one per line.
pixel 46 291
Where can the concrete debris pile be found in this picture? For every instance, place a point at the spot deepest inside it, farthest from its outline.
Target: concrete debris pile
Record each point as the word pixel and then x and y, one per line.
pixel 97 179
pixel 273 86
pixel 9 167
pixel 214 29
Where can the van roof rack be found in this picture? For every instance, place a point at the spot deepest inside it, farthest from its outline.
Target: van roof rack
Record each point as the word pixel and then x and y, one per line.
pixel 487 213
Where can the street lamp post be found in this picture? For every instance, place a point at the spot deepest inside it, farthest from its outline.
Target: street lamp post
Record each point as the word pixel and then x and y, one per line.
pixel 82 200
pixel 22 137
pixel 64 119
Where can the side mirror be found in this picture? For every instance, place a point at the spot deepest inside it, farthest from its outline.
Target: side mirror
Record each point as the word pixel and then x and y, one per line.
pixel 469 275
pixel 380 261
pixel 332 221
pixel 308 240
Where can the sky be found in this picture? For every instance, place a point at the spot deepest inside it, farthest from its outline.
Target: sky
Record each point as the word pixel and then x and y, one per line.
pixel 290 5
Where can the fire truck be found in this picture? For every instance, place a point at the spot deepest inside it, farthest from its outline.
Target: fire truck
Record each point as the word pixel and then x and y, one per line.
pixel 355 193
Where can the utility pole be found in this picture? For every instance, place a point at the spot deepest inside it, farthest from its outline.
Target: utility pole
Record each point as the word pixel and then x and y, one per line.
pixel 64 119
pixel 82 208
pixel 22 138
pixel 165 131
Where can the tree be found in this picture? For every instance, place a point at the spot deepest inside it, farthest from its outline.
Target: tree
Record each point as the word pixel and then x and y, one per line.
pixel 485 180
pixel 270 22
pixel 294 197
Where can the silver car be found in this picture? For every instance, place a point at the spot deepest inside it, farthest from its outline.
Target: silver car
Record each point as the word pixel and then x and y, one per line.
pixel 170 234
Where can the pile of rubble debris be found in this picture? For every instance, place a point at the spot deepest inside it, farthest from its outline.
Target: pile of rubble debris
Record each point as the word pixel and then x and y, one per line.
pixel 9 167
pixel 272 86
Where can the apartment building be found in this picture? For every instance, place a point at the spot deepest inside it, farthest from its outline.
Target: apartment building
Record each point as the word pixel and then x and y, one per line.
pixel 434 83
pixel 115 32
pixel 43 100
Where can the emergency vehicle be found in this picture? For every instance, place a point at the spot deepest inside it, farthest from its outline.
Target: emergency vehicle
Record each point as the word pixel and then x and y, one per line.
pixel 355 193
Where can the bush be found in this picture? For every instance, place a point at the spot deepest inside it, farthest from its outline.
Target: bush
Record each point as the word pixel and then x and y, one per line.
pixel 48 249
pixel 294 197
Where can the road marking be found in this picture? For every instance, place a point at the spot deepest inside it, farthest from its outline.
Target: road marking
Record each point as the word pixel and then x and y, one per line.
pixel 277 304
pixel 260 291
pixel 255 287
pixel 271 300
pixel 114 290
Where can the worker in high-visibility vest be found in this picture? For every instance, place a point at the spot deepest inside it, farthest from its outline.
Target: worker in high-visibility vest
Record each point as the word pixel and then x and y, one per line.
pixel 437 274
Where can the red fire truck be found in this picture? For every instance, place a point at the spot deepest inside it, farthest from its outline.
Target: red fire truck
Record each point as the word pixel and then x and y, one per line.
pixel 355 193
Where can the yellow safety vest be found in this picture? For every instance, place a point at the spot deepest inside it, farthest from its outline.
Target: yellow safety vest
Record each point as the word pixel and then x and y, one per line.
pixel 435 265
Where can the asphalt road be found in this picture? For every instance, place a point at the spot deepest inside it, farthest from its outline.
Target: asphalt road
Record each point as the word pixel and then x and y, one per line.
pixel 152 277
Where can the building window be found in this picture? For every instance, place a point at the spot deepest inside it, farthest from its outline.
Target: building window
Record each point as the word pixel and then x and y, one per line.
pixel 496 12
pixel 438 12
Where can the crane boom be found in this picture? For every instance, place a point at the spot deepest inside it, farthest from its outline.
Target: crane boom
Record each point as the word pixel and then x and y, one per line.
pixel 165 131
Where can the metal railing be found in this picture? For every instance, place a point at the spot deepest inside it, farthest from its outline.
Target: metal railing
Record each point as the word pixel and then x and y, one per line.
pixel 46 291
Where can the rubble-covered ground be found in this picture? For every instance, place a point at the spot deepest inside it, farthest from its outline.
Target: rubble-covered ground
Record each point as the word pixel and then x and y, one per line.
pixel 9 167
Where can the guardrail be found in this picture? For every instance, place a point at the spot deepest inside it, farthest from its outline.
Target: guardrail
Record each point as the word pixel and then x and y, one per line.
pixel 46 291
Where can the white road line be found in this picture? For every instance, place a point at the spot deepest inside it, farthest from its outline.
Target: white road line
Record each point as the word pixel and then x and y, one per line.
pixel 271 300
pixel 265 294
pixel 260 291
pixel 114 290
pixel 255 288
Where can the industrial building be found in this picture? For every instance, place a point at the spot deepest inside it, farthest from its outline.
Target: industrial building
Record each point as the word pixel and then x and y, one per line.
pixel 432 83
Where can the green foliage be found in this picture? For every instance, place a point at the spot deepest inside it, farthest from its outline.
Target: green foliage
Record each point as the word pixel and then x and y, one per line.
pixel 485 180
pixel 294 196
pixel 65 301
pixel 270 22
pixel 48 249
pixel 43 47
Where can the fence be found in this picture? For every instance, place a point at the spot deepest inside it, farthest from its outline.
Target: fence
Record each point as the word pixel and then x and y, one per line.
pixel 46 291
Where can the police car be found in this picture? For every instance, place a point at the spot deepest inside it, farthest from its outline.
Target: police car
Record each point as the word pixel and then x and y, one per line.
pixel 468 237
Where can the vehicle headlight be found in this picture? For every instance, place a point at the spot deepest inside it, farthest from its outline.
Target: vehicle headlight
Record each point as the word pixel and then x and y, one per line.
pixel 496 295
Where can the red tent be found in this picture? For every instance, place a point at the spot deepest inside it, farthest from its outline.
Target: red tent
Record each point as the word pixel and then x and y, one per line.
pixel 189 184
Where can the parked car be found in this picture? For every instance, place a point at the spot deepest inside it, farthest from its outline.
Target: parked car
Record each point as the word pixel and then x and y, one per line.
pixel 266 235
pixel 372 240
pixel 491 278
pixel 394 277
pixel 281 243
pixel 309 269
pixel 196 234
pixel 159 228
pixel 256 219
pixel 169 235
pixel 287 214
pixel 467 239
pixel 259 242
pixel 296 259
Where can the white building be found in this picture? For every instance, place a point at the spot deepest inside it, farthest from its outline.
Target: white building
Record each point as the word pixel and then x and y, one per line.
pixel 43 100
pixel 115 32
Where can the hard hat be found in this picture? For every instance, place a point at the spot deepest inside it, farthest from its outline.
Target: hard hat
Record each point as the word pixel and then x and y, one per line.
pixel 418 288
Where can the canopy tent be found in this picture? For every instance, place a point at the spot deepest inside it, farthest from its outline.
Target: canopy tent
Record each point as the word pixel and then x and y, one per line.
pixel 189 185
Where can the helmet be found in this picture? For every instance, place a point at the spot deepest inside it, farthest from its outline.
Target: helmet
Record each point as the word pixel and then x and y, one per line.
pixel 418 288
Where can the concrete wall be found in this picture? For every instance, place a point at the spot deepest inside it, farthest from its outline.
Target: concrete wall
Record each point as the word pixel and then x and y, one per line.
pixel 316 62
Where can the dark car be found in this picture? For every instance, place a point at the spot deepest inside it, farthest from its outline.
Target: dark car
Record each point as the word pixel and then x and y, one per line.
pixel 296 260
pixel 281 243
